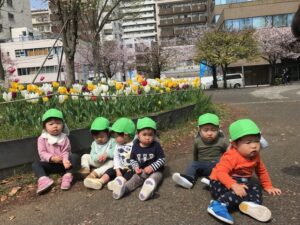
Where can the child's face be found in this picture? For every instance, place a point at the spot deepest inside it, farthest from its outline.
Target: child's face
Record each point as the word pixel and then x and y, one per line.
pixel 120 138
pixel 208 132
pixel 248 146
pixel 146 137
pixel 101 137
pixel 54 126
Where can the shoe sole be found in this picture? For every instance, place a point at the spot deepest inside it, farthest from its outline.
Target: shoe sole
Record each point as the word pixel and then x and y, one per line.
pixel 118 188
pixel 258 212
pixel 210 211
pixel 206 181
pixel 181 181
pixel 91 183
pixel 45 189
pixel 147 189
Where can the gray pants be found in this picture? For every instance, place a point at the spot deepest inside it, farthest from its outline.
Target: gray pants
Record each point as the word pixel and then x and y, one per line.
pixel 137 180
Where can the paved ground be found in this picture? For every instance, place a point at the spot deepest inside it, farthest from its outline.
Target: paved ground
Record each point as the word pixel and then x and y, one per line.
pixel 279 119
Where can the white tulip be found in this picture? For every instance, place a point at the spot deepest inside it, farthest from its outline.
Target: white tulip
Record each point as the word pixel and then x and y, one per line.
pixel 7 96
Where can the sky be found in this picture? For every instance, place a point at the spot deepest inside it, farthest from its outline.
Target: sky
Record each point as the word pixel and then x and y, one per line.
pixel 38 4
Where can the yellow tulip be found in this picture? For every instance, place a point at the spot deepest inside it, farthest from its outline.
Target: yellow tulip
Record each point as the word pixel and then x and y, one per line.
pixel 168 89
pixel 55 84
pixel 129 82
pixel 21 87
pixel 62 90
pixel 14 85
pixel 45 99
pixel 12 90
pixel 134 87
pixel 119 86
pixel 91 87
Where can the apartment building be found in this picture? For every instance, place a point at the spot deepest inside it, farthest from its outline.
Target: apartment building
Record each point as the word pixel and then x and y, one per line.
pixel 14 14
pixel 41 21
pixel 254 14
pixel 139 20
pixel 176 19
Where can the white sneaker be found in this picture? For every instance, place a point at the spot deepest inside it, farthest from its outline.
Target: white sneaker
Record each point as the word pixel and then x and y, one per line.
pixel 110 185
pixel 93 183
pixel 118 187
pixel 258 212
pixel 182 180
pixel 206 181
pixel 147 189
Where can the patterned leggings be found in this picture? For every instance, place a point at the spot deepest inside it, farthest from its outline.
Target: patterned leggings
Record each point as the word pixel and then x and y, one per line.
pixel 227 196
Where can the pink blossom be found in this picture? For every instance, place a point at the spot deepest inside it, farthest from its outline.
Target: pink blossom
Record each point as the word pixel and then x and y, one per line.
pixel 42 78
pixel 16 80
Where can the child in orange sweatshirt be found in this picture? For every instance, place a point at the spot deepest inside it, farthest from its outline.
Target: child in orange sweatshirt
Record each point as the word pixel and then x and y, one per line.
pixel 230 179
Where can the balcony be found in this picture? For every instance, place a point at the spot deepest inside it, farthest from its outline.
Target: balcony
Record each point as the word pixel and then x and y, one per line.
pixel 167 33
pixel 165 11
pixel 183 9
pixel 167 22
pixel 182 20
pixel 198 8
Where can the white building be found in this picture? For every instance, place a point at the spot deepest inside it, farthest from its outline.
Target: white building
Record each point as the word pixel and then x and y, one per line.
pixel 41 20
pixel 28 55
pixel 139 20
pixel 14 14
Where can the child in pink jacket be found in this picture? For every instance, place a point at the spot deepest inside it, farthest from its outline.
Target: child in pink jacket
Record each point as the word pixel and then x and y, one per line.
pixel 54 150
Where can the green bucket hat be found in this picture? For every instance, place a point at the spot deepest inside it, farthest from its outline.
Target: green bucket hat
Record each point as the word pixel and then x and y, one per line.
pixel 146 122
pixel 241 128
pixel 52 113
pixel 208 118
pixel 100 123
pixel 124 125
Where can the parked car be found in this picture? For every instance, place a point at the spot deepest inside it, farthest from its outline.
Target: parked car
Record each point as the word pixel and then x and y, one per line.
pixel 206 82
pixel 234 80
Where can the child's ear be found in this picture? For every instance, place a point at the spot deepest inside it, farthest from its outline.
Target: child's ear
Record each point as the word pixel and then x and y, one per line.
pixel 233 144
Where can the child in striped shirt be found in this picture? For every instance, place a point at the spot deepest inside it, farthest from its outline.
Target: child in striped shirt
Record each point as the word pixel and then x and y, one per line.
pixel 147 160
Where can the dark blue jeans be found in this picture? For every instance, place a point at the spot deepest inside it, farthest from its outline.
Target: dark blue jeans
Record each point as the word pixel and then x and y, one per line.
pixel 45 168
pixel 200 168
pixel 227 196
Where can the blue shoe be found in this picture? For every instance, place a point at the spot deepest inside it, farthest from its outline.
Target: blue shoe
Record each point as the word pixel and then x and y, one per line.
pixel 220 211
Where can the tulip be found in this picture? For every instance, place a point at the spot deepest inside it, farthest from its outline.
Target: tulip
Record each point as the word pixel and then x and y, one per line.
pixel 7 96
pixel 42 78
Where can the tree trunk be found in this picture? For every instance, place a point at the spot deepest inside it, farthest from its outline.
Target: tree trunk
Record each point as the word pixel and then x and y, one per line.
pixel 70 78
pixel 273 70
pixel 214 74
pixel 224 70
pixel 96 51
pixel 2 73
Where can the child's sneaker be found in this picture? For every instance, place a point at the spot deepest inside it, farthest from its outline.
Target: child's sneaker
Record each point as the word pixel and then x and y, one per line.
pixel 147 189
pixel 44 183
pixel 84 171
pixel 119 187
pixel 110 185
pixel 66 182
pixel 258 212
pixel 220 211
pixel 206 181
pixel 183 180
pixel 93 183
pixel 93 174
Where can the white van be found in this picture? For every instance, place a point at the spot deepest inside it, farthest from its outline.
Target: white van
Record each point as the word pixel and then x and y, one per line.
pixel 234 80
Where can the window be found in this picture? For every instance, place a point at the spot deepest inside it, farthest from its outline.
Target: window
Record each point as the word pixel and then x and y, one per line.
pixel 9 3
pixel 11 17
pixel 20 53
pixel 280 20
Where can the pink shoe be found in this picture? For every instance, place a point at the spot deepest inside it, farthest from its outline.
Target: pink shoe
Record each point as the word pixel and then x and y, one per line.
pixel 66 182
pixel 44 183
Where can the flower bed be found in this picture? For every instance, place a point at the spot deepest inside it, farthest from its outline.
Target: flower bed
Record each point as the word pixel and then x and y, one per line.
pixel 21 106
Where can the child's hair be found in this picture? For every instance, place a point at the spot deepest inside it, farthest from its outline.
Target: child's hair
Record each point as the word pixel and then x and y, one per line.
pixel 100 124
pixel 241 128
pixel 208 118
pixel 52 114
pixel 146 123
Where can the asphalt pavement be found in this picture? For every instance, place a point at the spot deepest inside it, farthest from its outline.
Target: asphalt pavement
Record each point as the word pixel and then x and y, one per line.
pixel 276 111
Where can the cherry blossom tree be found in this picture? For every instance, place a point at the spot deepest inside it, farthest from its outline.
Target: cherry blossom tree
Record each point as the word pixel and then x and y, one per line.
pixel 275 44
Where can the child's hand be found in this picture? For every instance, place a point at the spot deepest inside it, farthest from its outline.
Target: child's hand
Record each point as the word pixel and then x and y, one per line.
pixel 67 164
pixel 273 191
pixel 56 159
pixel 148 170
pixel 138 170
pixel 103 157
pixel 239 189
